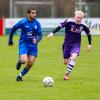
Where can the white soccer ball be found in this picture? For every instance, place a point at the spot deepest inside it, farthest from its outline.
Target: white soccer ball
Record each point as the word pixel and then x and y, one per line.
pixel 48 81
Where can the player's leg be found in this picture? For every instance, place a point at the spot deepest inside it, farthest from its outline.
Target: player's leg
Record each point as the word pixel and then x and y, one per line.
pixel 66 56
pixel 66 61
pixel 71 65
pixel 22 55
pixel 23 60
pixel 73 56
pixel 29 64
pixel 32 53
pixel 31 60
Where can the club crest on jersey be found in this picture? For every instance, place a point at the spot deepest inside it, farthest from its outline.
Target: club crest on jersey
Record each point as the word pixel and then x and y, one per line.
pixel 77 30
pixel 81 28
pixel 73 28
pixel 35 27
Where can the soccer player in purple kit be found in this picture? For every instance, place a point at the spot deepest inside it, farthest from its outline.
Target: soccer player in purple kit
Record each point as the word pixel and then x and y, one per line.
pixel 30 35
pixel 72 40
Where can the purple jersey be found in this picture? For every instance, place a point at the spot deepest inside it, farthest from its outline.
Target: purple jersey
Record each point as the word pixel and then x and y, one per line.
pixel 73 31
pixel 72 39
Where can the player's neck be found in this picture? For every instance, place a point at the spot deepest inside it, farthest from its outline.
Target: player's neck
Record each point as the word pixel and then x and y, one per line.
pixel 30 19
pixel 77 22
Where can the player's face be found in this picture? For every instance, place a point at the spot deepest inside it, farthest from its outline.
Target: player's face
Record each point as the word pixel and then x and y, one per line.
pixel 78 18
pixel 32 14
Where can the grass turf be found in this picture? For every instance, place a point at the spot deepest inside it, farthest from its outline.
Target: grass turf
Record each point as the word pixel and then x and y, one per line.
pixel 85 77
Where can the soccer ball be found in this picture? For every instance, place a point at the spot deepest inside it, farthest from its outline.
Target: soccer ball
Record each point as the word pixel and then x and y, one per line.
pixel 48 81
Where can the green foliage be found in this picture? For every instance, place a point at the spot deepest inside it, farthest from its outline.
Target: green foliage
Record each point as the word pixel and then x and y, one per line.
pixel 85 77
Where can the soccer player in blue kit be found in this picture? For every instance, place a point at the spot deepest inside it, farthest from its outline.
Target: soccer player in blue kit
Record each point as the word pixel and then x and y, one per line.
pixel 72 40
pixel 31 34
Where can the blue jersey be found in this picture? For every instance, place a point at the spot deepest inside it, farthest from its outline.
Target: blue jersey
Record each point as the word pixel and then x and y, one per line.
pixel 73 31
pixel 29 30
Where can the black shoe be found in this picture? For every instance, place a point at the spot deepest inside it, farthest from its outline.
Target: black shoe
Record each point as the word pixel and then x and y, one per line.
pixel 19 78
pixel 18 65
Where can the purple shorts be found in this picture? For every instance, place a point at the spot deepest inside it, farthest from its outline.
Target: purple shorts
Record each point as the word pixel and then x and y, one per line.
pixel 69 49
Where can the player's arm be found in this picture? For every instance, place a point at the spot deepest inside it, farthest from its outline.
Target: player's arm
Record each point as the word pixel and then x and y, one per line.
pixel 10 41
pixel 87 31
pixel 89 42
pixel 89 39
pixel 53 32
pixel 39 32
pixel 36 40
pixel 14 28
pixel 39 37
pixel 62 25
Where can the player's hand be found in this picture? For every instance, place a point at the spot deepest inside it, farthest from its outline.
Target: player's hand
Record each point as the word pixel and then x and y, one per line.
pixel 50 35
pixel 88 48
pixel 34 41
pixel 10 43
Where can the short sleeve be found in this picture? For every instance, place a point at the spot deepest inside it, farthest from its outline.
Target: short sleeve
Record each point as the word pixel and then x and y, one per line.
pixel 63 24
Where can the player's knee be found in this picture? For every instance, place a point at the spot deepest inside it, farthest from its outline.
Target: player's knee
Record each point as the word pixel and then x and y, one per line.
pixel 65 62
pixel 23 61
pixel 30 62
pixel 74 56
pixel 73 59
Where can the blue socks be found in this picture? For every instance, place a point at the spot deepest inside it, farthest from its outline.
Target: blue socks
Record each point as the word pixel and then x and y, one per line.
pixel 23 72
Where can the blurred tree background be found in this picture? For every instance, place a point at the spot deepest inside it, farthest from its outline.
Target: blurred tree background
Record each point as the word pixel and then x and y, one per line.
pixel 49 8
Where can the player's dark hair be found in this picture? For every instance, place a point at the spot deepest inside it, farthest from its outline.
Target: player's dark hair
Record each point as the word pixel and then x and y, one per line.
pixel 30 9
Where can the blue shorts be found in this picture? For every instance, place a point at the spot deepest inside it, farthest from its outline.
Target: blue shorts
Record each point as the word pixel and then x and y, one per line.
pixel 29 49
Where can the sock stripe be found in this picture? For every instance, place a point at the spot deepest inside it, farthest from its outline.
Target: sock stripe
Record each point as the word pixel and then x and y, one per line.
pixel 71 65
pixel 69 68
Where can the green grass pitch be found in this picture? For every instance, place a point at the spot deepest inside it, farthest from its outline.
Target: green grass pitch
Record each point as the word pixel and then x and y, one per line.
pixel 84 83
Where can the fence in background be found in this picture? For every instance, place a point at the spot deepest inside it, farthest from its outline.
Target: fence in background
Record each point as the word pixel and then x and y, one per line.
pixel 48 24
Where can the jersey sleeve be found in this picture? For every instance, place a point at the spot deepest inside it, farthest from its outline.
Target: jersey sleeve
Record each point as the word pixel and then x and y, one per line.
pixel 39 29
pixel 86 29
pixel 14 28
pixel 63 24
pixel 39 32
